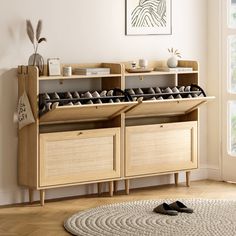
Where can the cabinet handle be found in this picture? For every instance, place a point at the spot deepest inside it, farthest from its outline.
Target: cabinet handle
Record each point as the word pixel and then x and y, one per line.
pixel 161 126
pixel 80 133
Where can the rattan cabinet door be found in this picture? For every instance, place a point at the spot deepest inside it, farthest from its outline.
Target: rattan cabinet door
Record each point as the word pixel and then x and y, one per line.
pixel 160 148
pixel 79 156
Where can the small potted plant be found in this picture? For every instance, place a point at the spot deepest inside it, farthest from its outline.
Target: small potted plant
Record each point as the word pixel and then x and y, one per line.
pixel 172 62
pixel 35 59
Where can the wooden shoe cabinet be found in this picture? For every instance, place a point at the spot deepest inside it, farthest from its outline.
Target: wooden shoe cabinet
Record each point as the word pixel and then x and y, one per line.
pixel 109 142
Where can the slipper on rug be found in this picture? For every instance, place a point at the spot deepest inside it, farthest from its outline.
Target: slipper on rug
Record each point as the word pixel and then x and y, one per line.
pixel 165 209
pixel 180 207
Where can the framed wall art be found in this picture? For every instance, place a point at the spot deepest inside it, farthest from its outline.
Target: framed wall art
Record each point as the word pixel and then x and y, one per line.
pixel 148 17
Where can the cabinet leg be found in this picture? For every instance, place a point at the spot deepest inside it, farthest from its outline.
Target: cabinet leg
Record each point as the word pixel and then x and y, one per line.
pixel 176 179
pixel 111 188
pixel 42 196
pixel 99 188
pixel 115 186
pixel 188 178
pixel 31 194
pixel 127 186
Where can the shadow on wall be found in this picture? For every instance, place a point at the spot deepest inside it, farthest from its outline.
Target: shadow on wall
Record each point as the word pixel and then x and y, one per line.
pixel 14 45
pixel 8 130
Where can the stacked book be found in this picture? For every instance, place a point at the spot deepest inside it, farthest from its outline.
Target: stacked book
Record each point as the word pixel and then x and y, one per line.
pixel 174 69
pixel 91 71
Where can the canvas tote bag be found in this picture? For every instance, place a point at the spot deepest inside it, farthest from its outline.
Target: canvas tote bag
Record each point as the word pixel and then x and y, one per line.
pixel 25 115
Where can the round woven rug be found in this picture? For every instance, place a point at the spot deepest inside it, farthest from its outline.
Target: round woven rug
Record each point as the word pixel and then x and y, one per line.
pixel 210 217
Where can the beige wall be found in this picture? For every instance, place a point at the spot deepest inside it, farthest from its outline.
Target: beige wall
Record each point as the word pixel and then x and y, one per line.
pixel 86 31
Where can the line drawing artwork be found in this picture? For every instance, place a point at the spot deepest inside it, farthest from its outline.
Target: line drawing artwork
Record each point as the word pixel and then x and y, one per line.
pixel 149 13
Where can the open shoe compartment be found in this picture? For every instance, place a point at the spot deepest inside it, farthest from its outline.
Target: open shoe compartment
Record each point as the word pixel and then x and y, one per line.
pixel 160 93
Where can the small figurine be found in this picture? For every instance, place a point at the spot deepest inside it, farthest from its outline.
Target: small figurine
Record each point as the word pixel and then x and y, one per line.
pixel 133 65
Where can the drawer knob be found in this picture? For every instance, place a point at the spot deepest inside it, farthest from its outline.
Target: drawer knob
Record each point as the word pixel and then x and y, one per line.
pixel 80 133
pixel 161 126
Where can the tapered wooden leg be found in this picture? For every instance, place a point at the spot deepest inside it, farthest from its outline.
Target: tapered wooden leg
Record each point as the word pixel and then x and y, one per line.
pixel 111 188
pixel 176 179
pixel 115 186
pixel 127 186
pixel 99 188
pixel 188 178
pixel 42 196
pixel 31 194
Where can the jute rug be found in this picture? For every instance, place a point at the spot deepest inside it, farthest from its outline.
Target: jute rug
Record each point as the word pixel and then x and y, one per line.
pixel 210 217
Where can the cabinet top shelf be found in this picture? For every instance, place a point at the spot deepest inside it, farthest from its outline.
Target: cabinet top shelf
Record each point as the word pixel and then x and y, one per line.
pixel 61 77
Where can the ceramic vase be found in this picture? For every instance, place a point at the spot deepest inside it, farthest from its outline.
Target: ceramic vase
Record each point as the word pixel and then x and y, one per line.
pixel 37 60
pixel 172 62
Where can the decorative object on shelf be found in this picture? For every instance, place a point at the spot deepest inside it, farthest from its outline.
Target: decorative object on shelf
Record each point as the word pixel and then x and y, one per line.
pixel 35 59
pixel 139 70
pixel 92 71
pixel 172 62
pixel 54 67
pixel 67 71
pixel 174 69
pixel 143 63
pixel 133 64
pixel 148 17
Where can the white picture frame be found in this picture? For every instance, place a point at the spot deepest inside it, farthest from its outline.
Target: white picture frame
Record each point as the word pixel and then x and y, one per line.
pixel 148 17
pixel 54 67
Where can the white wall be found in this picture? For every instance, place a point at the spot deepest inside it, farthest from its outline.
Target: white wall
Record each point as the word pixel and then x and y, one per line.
pixel 86 31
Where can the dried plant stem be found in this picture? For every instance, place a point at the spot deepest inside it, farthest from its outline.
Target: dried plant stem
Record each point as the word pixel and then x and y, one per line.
pixel 32 36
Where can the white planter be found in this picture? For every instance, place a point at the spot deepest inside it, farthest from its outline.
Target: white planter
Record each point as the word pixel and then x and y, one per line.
pixel 172 62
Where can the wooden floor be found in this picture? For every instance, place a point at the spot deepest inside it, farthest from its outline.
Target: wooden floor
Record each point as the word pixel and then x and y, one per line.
pixel 34 220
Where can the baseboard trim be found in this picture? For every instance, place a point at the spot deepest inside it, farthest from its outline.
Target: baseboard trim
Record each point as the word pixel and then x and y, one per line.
pixel 214 173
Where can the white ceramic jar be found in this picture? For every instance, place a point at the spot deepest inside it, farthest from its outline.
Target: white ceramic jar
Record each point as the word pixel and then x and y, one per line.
pixel 143 63
pixel 67 71
pixel 172 62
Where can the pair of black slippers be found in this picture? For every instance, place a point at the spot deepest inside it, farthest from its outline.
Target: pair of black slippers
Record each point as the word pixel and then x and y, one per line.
pixel 172 209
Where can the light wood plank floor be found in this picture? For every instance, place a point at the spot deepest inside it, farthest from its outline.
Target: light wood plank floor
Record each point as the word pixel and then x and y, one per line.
pixel 33 220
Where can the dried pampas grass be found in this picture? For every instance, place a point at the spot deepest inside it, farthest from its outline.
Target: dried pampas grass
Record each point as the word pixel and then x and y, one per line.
pixel 38 29
pixel 32 36
pixel 30 31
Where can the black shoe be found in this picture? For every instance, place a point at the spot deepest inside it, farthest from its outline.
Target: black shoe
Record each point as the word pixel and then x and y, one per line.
pixel 165 209
pixel 180 207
